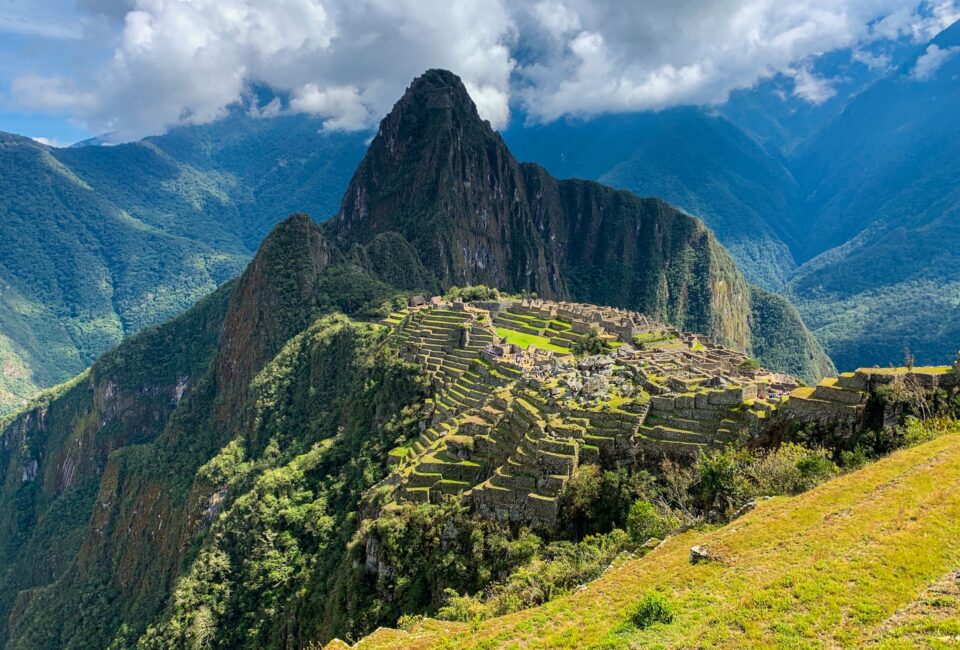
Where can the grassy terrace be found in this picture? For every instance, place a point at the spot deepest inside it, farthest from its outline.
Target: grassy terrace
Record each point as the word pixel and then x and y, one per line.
pixel 526 340
pixel 828 568
pixel 929 370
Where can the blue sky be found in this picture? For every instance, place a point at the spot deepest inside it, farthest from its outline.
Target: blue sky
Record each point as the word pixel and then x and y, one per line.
pixel 40 37
pixel 131 68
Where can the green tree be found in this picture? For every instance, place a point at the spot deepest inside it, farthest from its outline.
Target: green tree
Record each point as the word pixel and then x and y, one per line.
pixel 645 522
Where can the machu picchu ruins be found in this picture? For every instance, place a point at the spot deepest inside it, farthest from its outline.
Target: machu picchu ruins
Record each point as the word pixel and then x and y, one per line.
pixel 527 390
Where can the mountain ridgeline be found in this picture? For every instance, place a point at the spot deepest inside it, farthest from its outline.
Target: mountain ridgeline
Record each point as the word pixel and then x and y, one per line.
pixel 444 180
pixel 847 208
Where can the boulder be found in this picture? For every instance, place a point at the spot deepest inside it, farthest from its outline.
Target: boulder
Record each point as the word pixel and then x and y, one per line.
pixel 699 554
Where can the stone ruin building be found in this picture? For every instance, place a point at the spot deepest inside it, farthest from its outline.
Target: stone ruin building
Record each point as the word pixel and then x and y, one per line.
pixel 516 411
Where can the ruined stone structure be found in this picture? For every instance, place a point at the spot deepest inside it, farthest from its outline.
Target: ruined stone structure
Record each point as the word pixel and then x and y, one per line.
pixel 516 412
pixel 512 420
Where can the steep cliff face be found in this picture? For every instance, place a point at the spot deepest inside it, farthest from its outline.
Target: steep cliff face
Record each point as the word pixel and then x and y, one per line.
pixel 273 301
pixel 443 179
pixel 54 455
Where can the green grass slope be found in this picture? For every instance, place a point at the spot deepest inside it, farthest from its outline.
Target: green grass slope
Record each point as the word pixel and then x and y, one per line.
pixel 853 562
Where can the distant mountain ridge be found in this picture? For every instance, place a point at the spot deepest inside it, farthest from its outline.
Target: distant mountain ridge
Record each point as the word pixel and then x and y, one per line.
pixel 850 208
pixel 884 202
pixel 98 242
pixel 692 158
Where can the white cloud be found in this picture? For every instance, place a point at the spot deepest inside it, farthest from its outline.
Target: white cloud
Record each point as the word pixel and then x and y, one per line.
pixel 344 103
pixel 635 56
pixel 181 62
pixel 50 142
pixel 810 87
pixel 177 62
pixel 921 22
pixel 930 61
pixel 872 61
pixel 52 93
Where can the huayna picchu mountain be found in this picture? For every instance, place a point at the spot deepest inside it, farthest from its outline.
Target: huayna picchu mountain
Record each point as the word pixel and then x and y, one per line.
pixel 443 179
pixel 326 444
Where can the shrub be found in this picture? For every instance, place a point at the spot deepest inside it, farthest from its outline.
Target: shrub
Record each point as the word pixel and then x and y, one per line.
pixel 556 570
pixel 596 501
pixel 590 344
pixel 721 482
pixel 790 469
pixel 472 293
pixel 653 608
pixel 749 365
pixel 645 521
pixel 851 459
pixel 916 432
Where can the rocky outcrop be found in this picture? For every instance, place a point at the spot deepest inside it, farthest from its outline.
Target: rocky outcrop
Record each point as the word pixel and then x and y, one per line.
pixel 273 300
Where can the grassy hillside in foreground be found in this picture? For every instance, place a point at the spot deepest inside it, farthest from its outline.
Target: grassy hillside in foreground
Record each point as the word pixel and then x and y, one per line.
pixel 862 559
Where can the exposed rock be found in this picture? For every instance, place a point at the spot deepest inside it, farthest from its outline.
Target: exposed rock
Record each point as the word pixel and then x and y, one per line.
pixel 28 470
pixel 747 507
pixel 373 562
pixel 182 384
pixel 699 554
pixel 595 363
pixel 596 386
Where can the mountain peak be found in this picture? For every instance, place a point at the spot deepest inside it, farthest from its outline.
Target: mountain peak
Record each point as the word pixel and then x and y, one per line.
pixel 436 78
pixel 435 103
pixel 437 90
pixel 432 152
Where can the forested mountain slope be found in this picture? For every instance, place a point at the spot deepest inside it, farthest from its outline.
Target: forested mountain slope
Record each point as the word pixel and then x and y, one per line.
pixel 98 242
pixel 217 480
pixel 692 158
pixel 884 206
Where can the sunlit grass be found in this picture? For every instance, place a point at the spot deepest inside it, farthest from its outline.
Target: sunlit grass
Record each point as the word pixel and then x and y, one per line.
pixel 526 340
